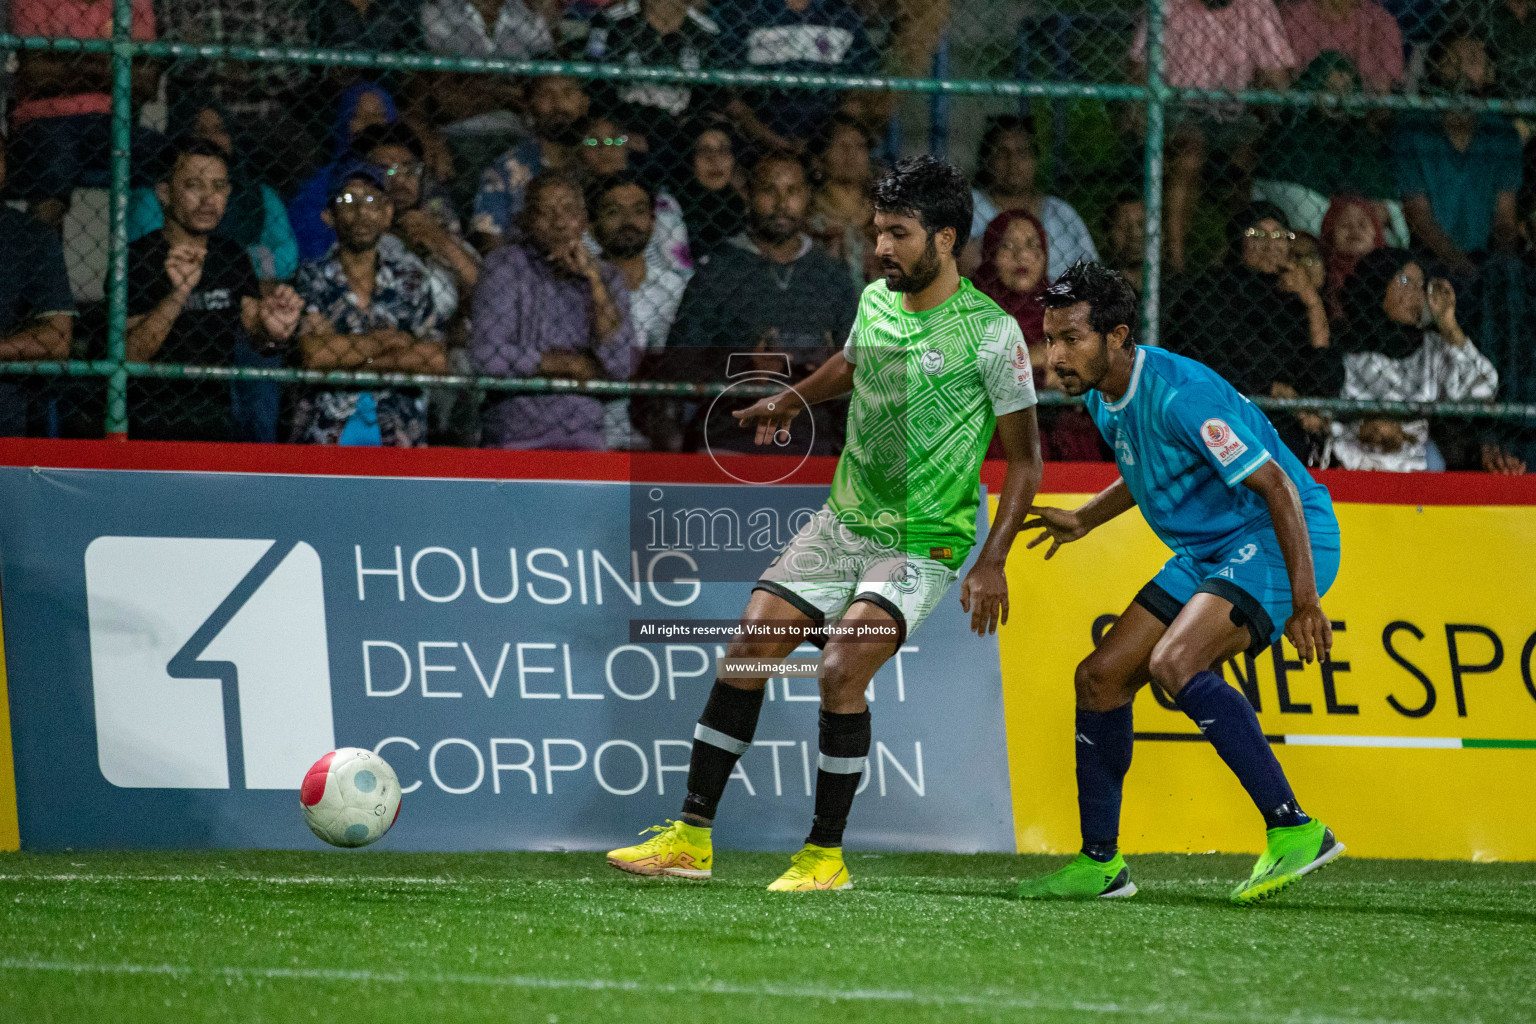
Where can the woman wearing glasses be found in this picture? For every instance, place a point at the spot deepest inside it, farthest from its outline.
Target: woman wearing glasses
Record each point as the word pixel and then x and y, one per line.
pixel 1259 320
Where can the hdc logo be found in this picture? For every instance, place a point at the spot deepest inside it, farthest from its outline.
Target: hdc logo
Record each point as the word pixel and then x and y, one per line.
pixel 209 662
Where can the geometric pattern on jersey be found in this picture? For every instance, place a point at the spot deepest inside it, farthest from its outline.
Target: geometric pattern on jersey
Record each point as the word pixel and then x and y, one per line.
pixel 927 389
pixel 1184 440
pixel 827 566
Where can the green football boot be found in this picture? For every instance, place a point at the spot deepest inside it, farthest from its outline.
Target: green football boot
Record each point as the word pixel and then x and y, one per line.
pixel 1083 878
pixel 1292 852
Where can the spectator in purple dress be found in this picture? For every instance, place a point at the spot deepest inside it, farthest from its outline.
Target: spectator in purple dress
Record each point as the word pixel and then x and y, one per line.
pixel 547 307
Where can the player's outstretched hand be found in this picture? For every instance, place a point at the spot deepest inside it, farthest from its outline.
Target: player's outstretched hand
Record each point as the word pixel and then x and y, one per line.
pixel 1310 632
pixel 1058 525
pixel 772 415
pixel 985 595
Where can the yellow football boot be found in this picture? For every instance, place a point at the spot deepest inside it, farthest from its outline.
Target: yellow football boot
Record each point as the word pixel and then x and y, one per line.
pixel 815 869
pixel 678 848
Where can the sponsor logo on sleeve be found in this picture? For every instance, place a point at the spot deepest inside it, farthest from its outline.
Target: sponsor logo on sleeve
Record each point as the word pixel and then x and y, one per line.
pixel 1020 363
pixel 1222 442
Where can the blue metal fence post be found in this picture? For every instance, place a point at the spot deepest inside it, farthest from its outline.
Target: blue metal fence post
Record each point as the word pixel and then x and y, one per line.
pixel 116 425
pixel 938 118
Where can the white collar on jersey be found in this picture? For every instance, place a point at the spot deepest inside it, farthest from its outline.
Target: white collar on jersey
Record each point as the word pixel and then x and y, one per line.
pixel 1130 392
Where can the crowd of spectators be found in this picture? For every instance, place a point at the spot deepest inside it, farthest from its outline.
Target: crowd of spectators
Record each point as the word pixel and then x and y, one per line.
pixel 636 229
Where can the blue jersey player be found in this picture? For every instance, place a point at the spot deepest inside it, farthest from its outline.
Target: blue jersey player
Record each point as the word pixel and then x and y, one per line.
pixel 1255 544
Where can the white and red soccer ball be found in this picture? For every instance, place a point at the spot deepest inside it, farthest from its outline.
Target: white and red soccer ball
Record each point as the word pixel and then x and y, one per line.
pixel 350 797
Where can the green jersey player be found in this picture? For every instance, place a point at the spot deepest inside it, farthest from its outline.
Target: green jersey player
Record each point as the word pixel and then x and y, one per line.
pixel 933 366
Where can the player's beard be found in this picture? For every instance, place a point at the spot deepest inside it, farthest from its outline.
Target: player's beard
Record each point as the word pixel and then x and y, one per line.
pixel 1075 384
pixel 923 273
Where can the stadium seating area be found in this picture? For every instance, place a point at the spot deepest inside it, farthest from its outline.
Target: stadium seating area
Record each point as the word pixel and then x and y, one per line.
pixel 1373 244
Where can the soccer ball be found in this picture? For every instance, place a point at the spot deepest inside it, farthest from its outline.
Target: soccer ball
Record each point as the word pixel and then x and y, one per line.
pixel 350 797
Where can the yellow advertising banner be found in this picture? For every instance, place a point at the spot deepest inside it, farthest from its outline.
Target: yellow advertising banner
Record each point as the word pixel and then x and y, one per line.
pixel 1417 739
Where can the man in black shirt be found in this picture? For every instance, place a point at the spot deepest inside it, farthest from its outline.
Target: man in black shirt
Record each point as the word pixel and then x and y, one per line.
pixel 36 307
pixel 656 33
pixel 770 288
pixel 771 295
pixel 194 298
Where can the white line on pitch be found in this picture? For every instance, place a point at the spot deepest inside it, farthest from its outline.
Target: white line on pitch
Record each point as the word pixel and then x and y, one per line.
pixel 1421 742
pixel 266 880
pixel 942 886
pixel 999 1001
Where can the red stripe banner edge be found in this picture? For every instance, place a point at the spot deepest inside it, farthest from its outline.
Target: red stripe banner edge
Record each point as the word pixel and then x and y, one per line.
pixel 489 464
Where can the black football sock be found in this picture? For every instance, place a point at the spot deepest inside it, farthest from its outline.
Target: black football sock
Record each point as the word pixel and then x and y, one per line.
pixel 1227 720
pixel 723 734
pixel 843 762
pixel 1104 742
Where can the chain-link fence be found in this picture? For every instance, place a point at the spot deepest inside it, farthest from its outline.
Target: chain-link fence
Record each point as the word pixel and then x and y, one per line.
pixel 551 223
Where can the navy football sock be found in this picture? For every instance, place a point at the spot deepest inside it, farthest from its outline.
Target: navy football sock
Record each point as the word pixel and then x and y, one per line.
pixel 1227 720
pixel 844 758
pixel 723 734
pixel 1104 741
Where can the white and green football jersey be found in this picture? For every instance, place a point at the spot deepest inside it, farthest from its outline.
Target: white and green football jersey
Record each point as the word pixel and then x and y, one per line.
pixel 927 390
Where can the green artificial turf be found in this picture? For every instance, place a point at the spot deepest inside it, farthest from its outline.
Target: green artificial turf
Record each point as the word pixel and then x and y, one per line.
pixel 383 937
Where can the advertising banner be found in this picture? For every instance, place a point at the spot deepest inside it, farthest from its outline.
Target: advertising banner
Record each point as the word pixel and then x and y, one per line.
pixel 1417 739
pixel 182 646
pixel 10 835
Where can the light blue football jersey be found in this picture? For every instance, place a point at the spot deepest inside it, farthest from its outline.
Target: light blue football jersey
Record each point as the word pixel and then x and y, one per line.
pixel 1185 440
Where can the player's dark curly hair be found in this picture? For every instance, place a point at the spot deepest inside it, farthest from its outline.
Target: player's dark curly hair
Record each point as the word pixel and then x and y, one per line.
pixel 1110 297
pixel 932 190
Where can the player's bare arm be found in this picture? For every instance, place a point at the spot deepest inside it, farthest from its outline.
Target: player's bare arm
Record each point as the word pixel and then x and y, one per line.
pixel 1063 526
pixel 832 379
pixel 984 592
pixel 1307 628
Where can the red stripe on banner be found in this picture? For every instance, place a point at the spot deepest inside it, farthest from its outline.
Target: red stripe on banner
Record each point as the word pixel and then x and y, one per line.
pixel 461 463
pixel 491 464
pixel 1354 486
pixel 1366 488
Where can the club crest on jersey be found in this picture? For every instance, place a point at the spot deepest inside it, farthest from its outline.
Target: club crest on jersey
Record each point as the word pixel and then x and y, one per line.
pixel 1224 444
pixel 932 361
